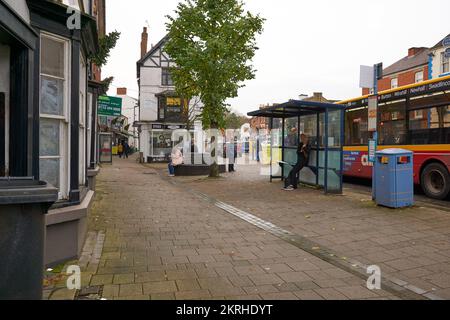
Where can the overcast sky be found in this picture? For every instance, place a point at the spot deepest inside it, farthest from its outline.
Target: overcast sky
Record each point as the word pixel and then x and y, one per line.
pixel 306 47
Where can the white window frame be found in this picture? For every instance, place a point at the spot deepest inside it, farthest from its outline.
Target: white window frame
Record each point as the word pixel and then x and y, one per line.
pixel 90 156
pixel 444 62
pixel 417 78
pixel 64 132
pixel 394 83
pixel 82 122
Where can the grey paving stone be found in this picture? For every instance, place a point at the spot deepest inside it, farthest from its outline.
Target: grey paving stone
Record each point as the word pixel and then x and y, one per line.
pixel 159 287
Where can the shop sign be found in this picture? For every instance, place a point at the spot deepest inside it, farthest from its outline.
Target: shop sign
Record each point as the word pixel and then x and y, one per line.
pixel 109 106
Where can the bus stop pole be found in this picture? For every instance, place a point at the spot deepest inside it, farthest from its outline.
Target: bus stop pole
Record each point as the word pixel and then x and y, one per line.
pixel 377 73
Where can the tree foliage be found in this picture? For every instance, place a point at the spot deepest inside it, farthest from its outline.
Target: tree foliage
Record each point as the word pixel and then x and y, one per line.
pixel 212 43
pixel 235 121
pixel 106 44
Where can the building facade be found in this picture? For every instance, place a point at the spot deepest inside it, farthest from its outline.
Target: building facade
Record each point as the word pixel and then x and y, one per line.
pixel 439 64
pixel 411 69
pixel 50 134
pixel 161 110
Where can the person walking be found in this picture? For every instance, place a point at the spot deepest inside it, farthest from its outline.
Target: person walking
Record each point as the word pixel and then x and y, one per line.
pixel 126 149
pixel 176 159
pixel 231 151
pixel 120 150
pixel 303 152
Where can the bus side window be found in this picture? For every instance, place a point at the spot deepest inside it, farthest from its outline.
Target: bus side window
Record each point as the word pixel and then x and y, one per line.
pixel 392 123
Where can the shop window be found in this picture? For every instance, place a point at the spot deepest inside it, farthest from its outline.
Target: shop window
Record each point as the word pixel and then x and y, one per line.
pixel 392 123
pixel 54 112
pixel 173 109
pixel 356 127
pixel 161 144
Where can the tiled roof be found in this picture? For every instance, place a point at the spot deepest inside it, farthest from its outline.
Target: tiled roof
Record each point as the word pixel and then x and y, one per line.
pixel 408 62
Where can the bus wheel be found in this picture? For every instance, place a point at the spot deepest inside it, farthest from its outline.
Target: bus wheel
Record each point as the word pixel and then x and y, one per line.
pixel 435 181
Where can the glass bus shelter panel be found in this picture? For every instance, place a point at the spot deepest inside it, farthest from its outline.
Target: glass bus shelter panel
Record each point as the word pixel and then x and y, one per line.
pixel 335 160
pixel 291 132
pixel 290 156
pixel 308 175
pixel 276 145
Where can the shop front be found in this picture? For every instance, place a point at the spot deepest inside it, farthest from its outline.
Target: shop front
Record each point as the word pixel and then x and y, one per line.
pixel 160 142
pixel 66 104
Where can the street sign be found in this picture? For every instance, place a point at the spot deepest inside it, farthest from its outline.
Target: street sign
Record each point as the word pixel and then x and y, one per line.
pixel 446 42
pixel 372 116
pixel 447 53
pixel 109 106
pixel 366 79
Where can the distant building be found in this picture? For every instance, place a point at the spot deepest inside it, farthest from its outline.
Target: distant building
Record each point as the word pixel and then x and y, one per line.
pixel 161 110
pixel 131 112
pixel 318 97
pixel 411 69
pixel 439 64
pixel 260 123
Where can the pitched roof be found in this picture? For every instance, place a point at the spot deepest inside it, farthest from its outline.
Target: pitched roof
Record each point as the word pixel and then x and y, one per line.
pixel 408 62
pixel 153 49
pixel 439 44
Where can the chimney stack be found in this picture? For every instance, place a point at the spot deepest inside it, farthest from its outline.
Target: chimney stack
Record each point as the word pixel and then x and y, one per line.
pixel 318 96
pixel 144 42
pixel 413 51
pixel 121 91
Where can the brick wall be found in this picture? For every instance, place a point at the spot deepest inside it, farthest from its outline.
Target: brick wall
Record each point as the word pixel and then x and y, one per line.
pixel 404 78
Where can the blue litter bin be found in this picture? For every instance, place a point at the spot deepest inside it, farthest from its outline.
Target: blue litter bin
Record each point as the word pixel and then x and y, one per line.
pixel 394 184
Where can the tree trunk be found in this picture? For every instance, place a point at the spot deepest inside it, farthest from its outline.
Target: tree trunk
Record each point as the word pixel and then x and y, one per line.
pixel 214 167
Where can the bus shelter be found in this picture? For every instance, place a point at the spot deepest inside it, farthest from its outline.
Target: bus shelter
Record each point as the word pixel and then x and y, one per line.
pixel 323 123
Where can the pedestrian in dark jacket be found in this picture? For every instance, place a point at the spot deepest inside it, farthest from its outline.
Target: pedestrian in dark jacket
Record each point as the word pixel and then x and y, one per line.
pixel 303 152
pixel 126 149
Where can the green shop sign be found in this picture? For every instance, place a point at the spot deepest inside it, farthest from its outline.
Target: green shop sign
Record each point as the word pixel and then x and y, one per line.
pixel 109 106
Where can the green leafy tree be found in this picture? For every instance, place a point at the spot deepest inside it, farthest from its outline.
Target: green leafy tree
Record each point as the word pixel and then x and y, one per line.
pixel 106 44
pixel 212 43
pixel 235 121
